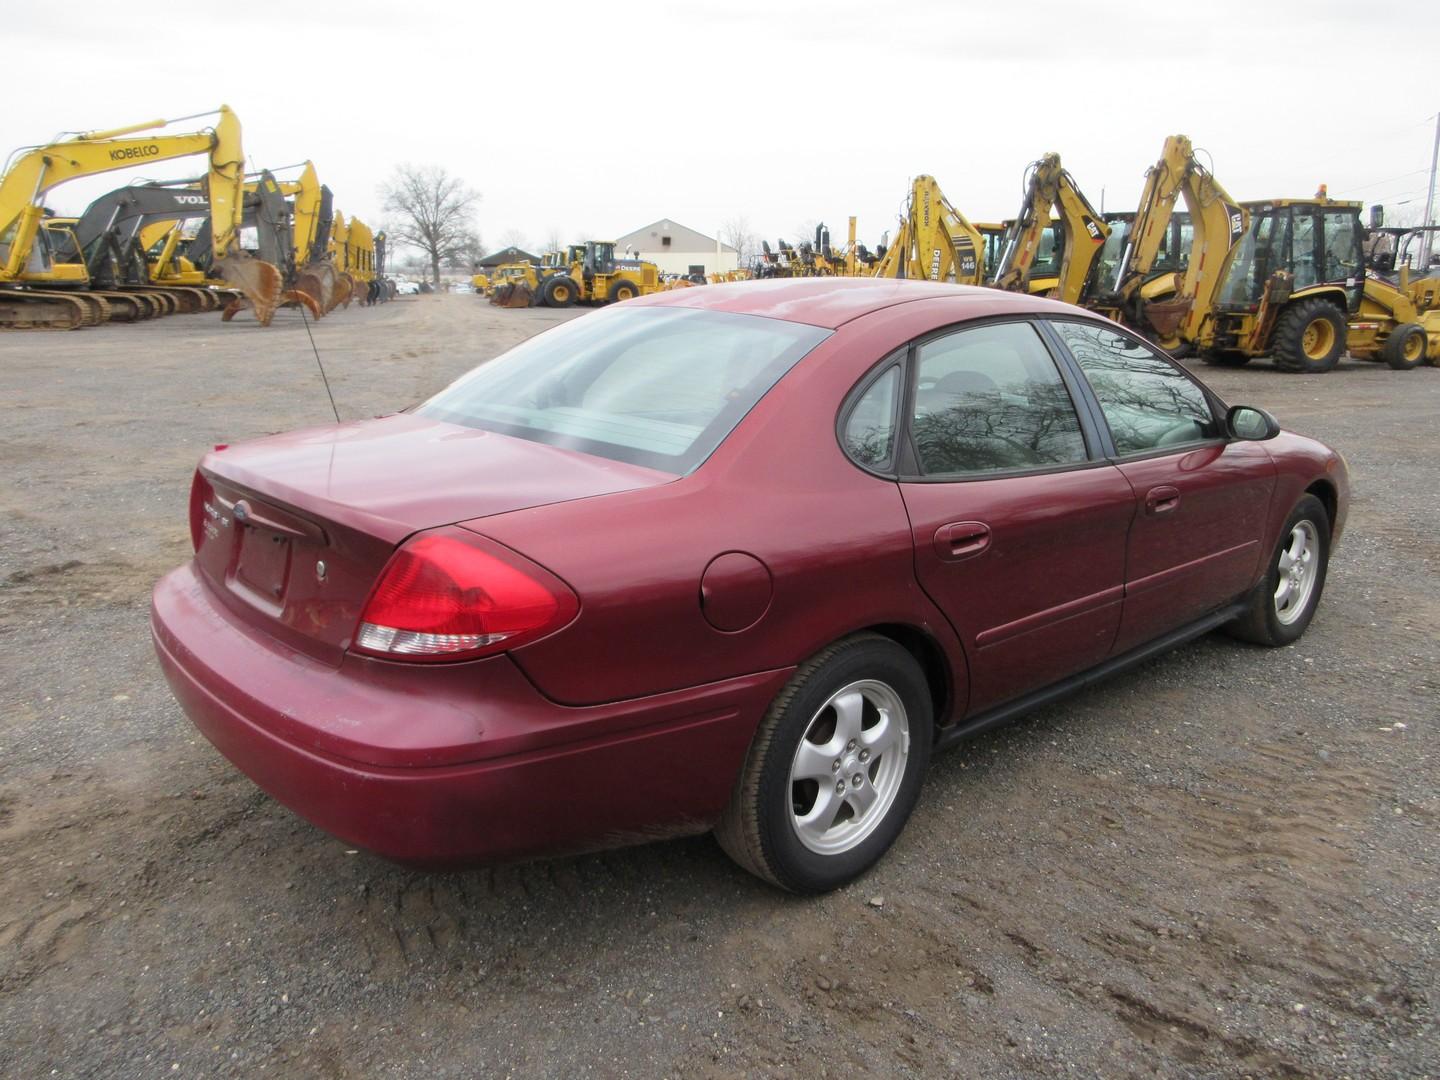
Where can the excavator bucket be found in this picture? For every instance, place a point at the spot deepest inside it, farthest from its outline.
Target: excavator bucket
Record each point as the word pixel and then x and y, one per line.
pixel 1167 315
pixel 513 294
pixel 341 295
pixel 259 283
pixel 315 288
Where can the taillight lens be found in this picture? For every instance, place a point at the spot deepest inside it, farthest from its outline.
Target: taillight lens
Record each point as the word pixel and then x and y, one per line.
pixel 452 596
pixel 200 492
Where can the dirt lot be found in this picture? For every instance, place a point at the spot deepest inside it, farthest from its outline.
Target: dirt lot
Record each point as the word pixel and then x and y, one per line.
pixel 1223 864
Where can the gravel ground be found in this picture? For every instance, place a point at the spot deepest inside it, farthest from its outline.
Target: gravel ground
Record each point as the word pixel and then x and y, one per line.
pixel 1221 864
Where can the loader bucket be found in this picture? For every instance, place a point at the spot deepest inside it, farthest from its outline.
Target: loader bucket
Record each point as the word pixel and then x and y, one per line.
pixel 258 281
pixel 513 294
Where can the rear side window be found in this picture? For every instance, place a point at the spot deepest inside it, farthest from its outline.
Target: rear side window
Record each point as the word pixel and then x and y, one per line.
pixel 1148 402
pixel 653 386
pixel 870 427
pixel 990 399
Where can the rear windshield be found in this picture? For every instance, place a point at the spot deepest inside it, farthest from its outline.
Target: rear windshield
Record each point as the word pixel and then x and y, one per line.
pixel 653 386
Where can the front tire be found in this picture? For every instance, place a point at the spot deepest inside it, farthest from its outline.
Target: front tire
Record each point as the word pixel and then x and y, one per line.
pixel 559 292
pixel 1406 346
pixel 834 769
pixel 1285 601
pixel 1309 337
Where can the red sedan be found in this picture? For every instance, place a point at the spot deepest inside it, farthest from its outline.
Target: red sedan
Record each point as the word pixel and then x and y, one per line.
pixel 736 558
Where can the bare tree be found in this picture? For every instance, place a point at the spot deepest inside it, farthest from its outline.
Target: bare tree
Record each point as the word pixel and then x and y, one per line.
pixel 433 211
pixel 514 238
pixel 466 253
pixel 736 232
pixel 805 234
pixel 552 240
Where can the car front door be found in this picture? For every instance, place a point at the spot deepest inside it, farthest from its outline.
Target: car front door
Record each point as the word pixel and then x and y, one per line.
pixel 1200 501
pixel 1019 524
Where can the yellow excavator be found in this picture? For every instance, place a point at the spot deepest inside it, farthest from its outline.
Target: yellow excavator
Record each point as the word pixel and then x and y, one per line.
pixel 37 292
pixel 1082 234
pixel 935 242
pixel 1217 223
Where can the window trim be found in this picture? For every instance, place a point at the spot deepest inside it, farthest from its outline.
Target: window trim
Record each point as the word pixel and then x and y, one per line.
pixel 1212 401
pixel 909 460
pixel 896 358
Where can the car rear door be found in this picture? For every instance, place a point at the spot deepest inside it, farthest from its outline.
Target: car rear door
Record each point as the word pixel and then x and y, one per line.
pixel 1200 501
pixel 1019 524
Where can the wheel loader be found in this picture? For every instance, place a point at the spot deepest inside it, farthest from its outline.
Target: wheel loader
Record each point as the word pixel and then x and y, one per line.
pixel 1298 287
pixel 595 276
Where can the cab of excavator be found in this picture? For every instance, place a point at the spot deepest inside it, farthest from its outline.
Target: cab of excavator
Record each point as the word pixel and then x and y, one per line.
pixel 1315 242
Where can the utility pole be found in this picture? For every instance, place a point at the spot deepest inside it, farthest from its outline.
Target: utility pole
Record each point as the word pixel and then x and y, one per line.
pixel 1425 247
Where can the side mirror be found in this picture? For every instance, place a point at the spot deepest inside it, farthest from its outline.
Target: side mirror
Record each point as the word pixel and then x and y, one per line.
pixel 1250 423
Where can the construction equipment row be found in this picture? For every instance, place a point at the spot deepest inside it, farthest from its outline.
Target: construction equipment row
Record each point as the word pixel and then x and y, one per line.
pixel 1299 279
pixel 227 240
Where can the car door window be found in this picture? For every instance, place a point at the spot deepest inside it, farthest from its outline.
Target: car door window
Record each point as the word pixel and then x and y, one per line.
pixel 990 399
pixel 1148 402
pixel 870 427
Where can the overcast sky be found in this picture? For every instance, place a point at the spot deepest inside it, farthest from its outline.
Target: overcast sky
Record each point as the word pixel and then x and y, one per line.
pixel 592 119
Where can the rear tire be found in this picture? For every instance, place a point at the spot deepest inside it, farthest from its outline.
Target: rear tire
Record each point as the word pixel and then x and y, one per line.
pixel 1406 346
pixel 1309 337
pixel 624 290
pixel 862 703
pixel 1285 601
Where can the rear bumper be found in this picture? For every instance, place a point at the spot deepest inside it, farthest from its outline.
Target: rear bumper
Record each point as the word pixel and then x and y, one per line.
pixel 482 768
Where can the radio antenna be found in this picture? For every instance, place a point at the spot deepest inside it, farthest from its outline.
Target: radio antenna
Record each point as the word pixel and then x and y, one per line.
pixel 323 377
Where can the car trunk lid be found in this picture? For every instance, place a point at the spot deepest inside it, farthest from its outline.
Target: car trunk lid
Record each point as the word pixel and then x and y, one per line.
pixel 293 530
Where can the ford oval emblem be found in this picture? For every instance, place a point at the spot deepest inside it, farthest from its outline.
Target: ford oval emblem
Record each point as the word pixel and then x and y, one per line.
pixel 242 510
pixel 320 569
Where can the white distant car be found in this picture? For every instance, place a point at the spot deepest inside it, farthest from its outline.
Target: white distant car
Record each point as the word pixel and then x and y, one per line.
pixel 462 287
pixel 406 288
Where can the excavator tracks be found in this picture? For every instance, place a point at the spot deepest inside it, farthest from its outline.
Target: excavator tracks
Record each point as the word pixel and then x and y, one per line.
pixel 37 309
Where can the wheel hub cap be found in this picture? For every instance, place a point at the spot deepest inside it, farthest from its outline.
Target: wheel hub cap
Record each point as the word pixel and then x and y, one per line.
pixel 1296 571
pixel 849 766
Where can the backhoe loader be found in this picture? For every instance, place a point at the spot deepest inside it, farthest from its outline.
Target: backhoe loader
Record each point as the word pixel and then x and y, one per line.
pixel 1080 230
pixel 1297 287
pixel 935 242
pixel 1217 222
pixel 35 288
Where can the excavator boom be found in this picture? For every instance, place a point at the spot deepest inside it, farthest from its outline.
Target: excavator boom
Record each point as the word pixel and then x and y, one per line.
pixel 935 241
pixel 37 170
pixel 1083 232
pixel 1217 222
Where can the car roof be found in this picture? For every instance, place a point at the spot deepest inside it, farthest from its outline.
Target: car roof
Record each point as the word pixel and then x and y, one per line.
pixel 830 302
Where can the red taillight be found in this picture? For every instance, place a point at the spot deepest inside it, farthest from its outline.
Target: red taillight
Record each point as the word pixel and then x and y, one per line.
pixel 448 596
pixel 200 492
